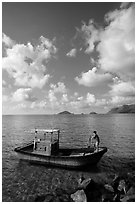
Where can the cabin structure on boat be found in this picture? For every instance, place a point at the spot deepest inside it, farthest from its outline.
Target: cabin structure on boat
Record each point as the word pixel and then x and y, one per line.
pixel 46 141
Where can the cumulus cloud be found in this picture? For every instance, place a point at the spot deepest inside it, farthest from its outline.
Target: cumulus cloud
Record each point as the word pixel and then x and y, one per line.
pixel 115 46
pixel 64 98
pixel 23 94
pixel 56 88
pixel 59 88
pixel 8 42
pixel 91 34
pixel 41 104
pixel 72 53
pixel 122 92
pixel 101 102
pixel 26 64
pixel 51 96
pixel 124 4
pixel 5 98
pixel 123 89
pixel 115 43
pixel 4 83
pixel 90 98
pixel 93 78
pixel 119 100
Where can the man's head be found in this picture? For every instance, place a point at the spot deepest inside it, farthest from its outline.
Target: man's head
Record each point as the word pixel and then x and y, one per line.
pixel 95 132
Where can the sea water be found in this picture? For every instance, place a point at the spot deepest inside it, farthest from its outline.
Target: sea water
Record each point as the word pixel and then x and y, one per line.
pixel 22 181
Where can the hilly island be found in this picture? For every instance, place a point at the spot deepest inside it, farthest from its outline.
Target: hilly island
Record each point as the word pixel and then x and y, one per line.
pixel 65 113
pixel 123 109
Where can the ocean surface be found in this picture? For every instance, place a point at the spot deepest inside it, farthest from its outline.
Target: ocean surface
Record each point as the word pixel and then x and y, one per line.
pixel 22 181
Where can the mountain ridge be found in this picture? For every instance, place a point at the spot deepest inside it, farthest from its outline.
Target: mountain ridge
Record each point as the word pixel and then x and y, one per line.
pixel 123 109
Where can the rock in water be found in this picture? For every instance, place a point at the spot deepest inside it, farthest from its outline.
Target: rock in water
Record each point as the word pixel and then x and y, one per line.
pixel 79 196
pixel 122 186
pixel 130 195
pixel 83 184
pixel 93 192
pixel 109 188
pixel 130 198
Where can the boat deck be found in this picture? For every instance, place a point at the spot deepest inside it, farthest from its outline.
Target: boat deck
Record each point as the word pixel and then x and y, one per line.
pixel 61 152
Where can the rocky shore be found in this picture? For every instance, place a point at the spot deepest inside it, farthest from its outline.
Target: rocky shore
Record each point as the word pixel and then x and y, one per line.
pixel 120 189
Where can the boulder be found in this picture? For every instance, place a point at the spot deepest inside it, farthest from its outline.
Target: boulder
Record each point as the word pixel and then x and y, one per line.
pixel 93 192
pixel 82 184
pixel 115 182
pixel 109 188
pixel 79 196
pixel 40 198
pixel 122 186
pixel 131 191
pixel 107 197
pixel 130 198
pixel 130 195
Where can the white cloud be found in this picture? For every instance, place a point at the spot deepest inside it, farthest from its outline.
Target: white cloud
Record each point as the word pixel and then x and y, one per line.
pixel 64 98
pixel 90 98
pixel 59 88
pixel 122 92
pixel 51 96
pixel 42 104
pixel 91 35
pixel 124 4
pixel 7 41
pixel 101 102
pixel 119 100
pixel 123 89
pixel 93 78
pixel 26 64
pixel 76 94
pixel 117 43
pixel 4 83
pixel 5 98
pixel 21 106
pixel 72 53
pixel 23 94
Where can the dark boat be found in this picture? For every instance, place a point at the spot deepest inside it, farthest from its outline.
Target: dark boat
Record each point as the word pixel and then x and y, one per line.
pixel 45 150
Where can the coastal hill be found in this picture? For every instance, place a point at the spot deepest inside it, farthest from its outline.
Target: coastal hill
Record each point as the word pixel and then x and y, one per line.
pixel 92 113
pixel 123 109
pixel 64 113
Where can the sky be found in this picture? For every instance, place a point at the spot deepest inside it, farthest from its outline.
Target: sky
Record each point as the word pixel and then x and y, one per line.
pixel 74 56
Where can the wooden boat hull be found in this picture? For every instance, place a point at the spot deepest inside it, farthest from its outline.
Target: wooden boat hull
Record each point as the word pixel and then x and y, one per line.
pixel 73 158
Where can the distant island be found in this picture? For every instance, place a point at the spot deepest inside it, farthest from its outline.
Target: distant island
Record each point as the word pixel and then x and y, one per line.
pixel 123 109
pixel 64 113
pixel 92 113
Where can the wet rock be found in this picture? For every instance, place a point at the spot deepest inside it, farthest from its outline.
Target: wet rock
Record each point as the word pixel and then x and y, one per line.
pixel 48 198
pixel 93 192
pixel 131 191
pixel 107 197
pixel 79 196
pixel 108 193
pixel 84 183
pixel 40 198
pixel 109 188
pixel 130 195
pixel 122 186
pixel 116 198
pixel 62 195
pixel 115 182
pixel 130 198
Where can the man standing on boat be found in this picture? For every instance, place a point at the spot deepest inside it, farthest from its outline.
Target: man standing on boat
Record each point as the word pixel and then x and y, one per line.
pixel 96 139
